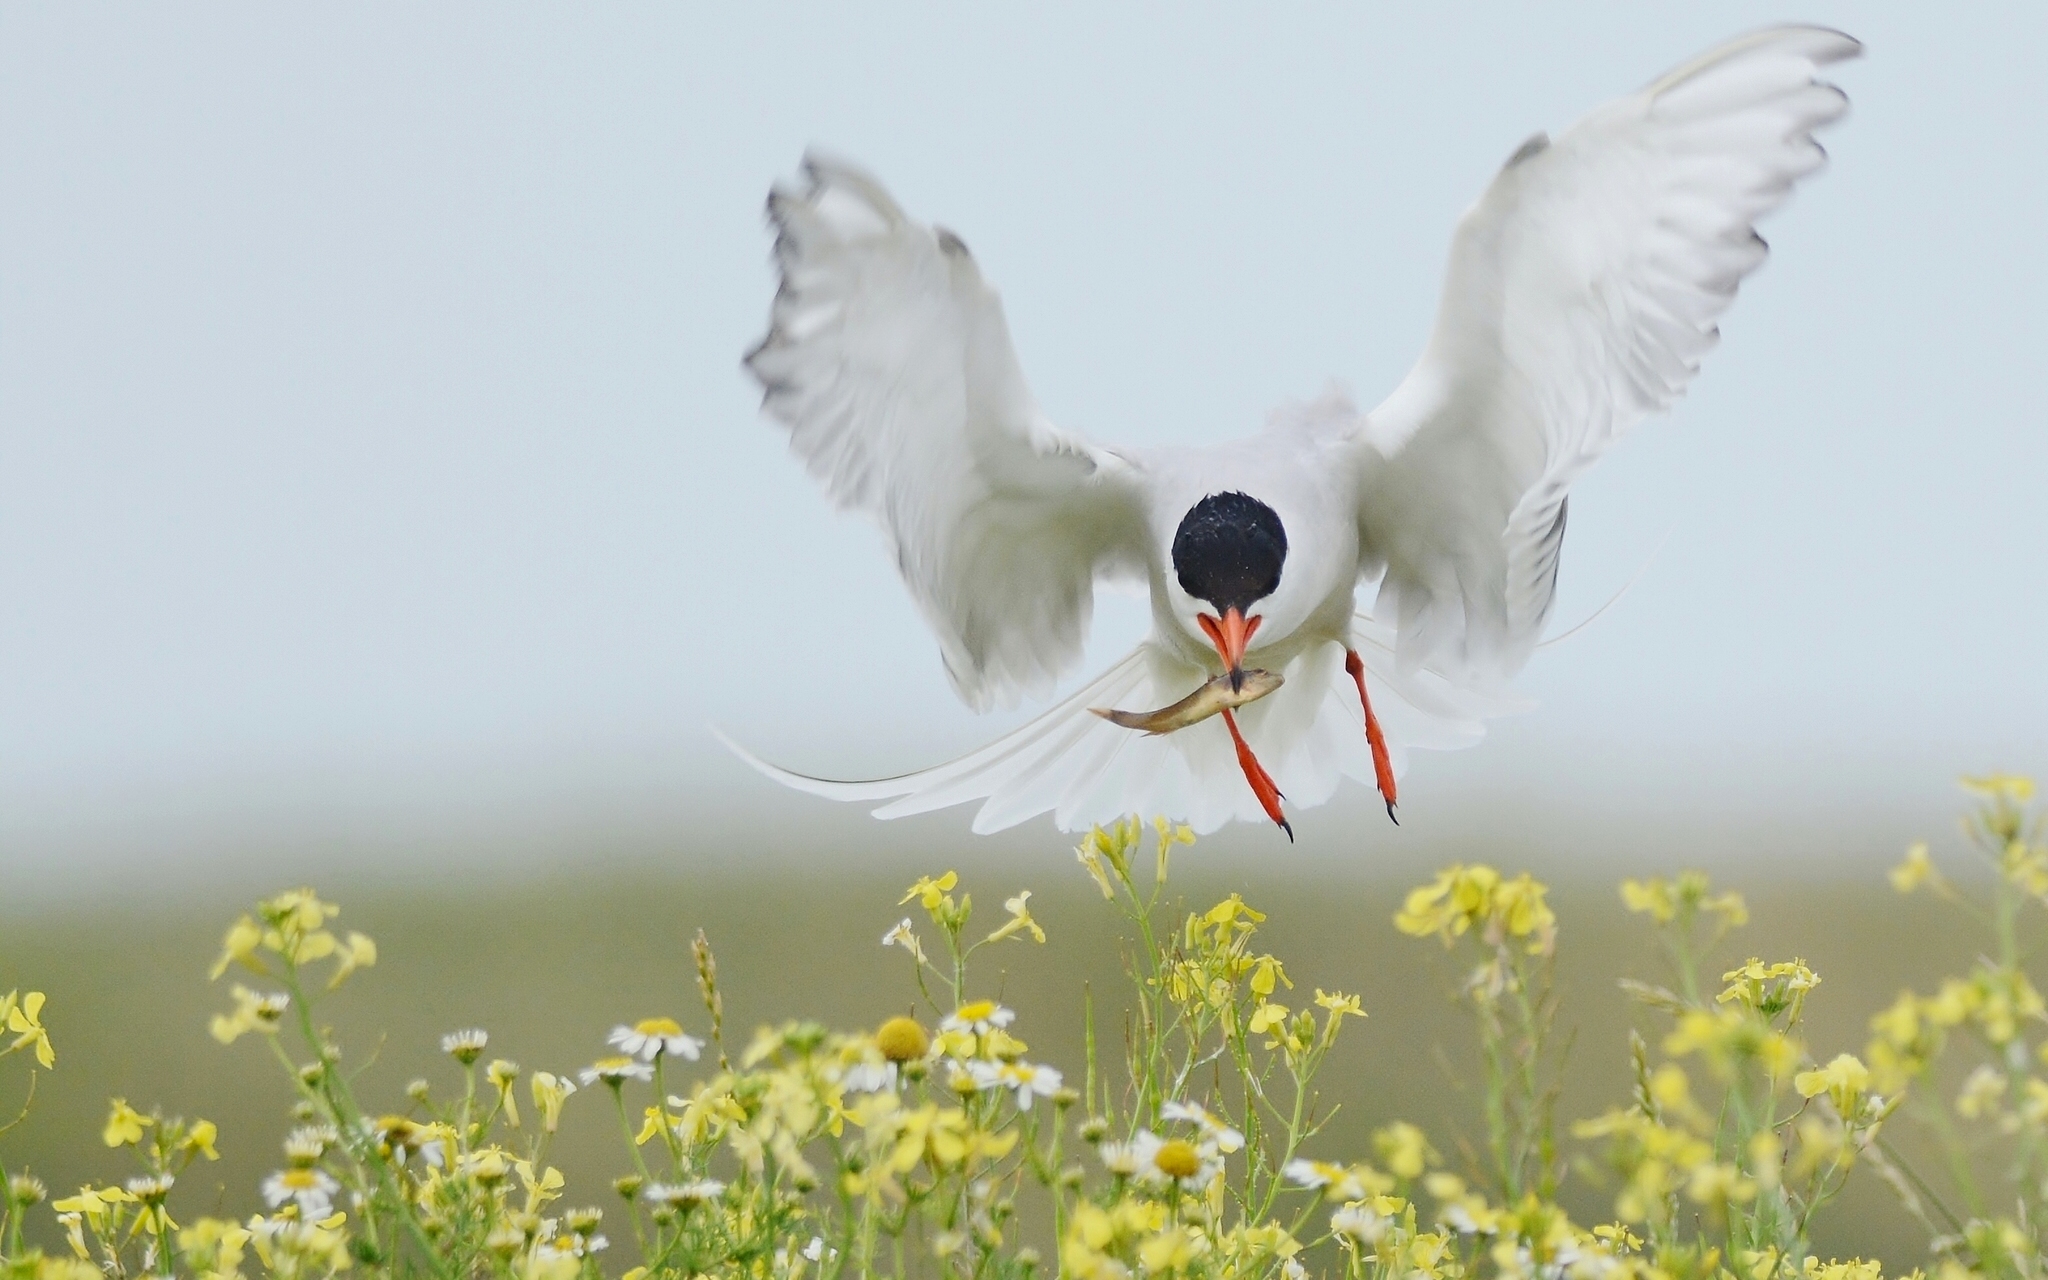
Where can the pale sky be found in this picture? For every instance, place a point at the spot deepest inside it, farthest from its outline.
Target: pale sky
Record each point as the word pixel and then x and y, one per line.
pixel 376 464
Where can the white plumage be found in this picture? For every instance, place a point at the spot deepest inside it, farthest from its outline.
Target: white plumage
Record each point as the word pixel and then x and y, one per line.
pixel 1582 290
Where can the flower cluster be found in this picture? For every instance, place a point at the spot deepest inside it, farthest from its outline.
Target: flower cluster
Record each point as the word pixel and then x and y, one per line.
pixel 923 1144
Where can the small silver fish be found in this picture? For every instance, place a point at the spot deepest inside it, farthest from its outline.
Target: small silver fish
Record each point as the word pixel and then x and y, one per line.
pixel 1215 696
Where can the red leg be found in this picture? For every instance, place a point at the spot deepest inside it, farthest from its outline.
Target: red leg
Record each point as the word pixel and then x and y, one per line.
pixel 1255 773
pixel 1382 763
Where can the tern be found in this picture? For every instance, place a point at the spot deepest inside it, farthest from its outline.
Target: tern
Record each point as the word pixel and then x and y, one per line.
pixel 1582 290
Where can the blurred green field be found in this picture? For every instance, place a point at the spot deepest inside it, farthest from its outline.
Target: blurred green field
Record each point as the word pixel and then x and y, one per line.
pixel 549 965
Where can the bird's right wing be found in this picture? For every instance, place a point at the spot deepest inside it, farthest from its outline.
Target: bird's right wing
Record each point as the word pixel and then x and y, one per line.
pixel 890 362
pixel 1583 289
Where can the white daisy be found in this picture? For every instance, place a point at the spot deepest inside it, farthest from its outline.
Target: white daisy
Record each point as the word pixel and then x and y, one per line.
pixel 465 1046
pixel 310 1189
pixel 980 1016
pixel 1336 1181
pixel 650 1038
pixel 1226 1138
pixel 1026 1078
pixel 615 1071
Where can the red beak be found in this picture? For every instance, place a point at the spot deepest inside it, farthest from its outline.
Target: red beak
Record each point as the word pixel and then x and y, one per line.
pixel 1230 636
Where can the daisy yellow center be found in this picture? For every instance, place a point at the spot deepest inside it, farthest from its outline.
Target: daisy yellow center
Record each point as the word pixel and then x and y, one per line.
pixel 1178 1159
pixel 299 1179
pixel 901 1039
pixel 612 1066
pixel 658 1027
pixel 977 1012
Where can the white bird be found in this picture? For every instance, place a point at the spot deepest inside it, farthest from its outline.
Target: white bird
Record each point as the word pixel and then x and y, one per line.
pixel 1582 290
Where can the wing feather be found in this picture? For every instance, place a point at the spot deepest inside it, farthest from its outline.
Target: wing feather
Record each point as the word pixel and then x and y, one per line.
pixel 889 360
pixel 1583 290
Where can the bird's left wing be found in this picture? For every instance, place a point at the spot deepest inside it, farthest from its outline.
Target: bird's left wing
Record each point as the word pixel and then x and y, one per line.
pixel 890 362
pixel 1583 288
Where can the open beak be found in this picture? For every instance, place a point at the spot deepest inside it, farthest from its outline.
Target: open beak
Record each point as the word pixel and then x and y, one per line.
pixel 1230 635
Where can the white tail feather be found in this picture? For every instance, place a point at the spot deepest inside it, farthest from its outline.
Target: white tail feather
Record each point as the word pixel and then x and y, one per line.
pixel 1084 770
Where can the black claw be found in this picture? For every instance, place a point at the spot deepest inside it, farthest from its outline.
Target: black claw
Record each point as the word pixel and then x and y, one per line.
pixel 1288 829
pixel 1390 813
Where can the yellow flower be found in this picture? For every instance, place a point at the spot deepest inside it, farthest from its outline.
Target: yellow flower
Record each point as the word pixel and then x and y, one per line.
pixel 1651 898
pixel 1020 920
pixel 550 1091
pixel 2009 787
pixel 357 951
pixel 254 1011
pixel 1403 1149
pixel 929 892
pixel 124 1124
pixel 1915 871
pixel 199 1139
pixel 239 947
pixel 1170 1250
pixel 1449 905
pixel 1267 974
pixel 24 1018
pixel 1843 1080
pixel 1266 1017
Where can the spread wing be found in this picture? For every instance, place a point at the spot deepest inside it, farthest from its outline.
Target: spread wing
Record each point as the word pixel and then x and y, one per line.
pixel 888 359
pixel 1583 289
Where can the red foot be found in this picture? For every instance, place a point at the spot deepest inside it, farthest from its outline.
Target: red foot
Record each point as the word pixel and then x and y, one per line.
pixel 1382 763
pixel 1255 773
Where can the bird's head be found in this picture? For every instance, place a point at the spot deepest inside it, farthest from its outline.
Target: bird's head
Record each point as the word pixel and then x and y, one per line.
pixel 1228 552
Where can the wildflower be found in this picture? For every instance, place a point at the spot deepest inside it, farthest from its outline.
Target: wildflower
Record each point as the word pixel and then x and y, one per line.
pixel 1224 1138
pixel 1335 1181
pixel 2011 788
pixel 465 1046
pixel 25 1190
pixel 683 1195
pixel 312 1190
pixel 1769 989
pixel 650 1038
pixel 124 1124
pixel 153 1189
pixel 23 1016
pixel 1366 1221
pixel 1020 921
pixel 254 1011
pixel 199 1139
pixel 1170 1250
pixel 503 1074
pixel 1981 1092
pixel 550 1091
pixel 402 1138
pixel 1843 1080
pixel 307 1143
pixel 489 1166
pixel 931 893
pixel 903 936
pixel 981 1016
pixel 1339 1005
pixel 1126 1159
pixel 213 1247
pixel 239 947
pixel 1916 870
pixel 1023 1077
pixel 1404 1149
pixel 356 951
pixel 615 1071
pixel 901 1039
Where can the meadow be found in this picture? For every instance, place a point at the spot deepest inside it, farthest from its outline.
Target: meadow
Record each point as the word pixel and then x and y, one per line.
pixel 1508 1015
